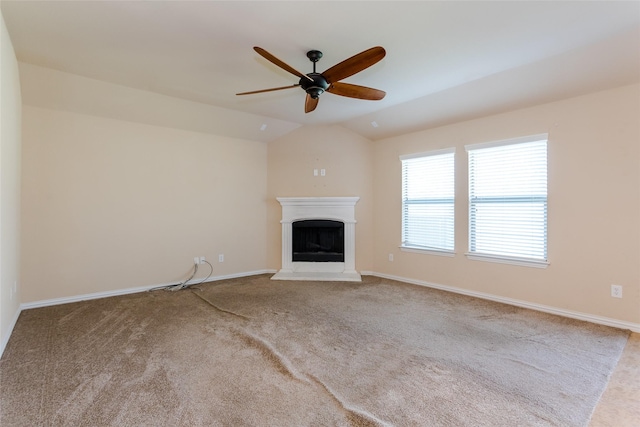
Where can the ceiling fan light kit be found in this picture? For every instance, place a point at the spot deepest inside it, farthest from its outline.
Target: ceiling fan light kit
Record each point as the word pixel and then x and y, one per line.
pixel 315 84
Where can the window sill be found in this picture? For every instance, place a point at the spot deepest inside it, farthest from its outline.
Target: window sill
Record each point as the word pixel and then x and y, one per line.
pixel 523 262
pixel 427 251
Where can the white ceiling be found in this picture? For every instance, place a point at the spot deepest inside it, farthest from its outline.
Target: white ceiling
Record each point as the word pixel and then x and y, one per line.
pixel 446 61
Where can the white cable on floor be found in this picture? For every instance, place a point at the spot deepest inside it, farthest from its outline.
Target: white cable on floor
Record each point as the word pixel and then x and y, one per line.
pixel 184 285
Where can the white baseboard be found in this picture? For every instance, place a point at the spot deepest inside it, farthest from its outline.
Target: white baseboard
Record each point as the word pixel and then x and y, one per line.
pixel 5 339
pixel 97 295
pixel 621 324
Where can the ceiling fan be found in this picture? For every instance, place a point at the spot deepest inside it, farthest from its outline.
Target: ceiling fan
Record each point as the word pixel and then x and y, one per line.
pixel 314 84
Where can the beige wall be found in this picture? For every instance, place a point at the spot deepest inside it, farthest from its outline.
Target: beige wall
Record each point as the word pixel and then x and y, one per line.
pixel 110 205
pixel 347 159
pixel 593 206
pixel 10 145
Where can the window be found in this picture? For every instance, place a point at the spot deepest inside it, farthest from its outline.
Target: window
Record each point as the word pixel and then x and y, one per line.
pixel 508 201
pixel 428 201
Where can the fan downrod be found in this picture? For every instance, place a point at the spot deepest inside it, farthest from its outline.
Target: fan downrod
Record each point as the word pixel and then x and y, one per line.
pixel 319 84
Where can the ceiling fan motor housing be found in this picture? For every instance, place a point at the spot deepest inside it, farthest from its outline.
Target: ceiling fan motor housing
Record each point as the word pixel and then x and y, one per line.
pixel 316 87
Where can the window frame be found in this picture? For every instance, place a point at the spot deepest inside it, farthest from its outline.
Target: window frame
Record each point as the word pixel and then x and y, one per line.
pixel 428 249
pixel 499 258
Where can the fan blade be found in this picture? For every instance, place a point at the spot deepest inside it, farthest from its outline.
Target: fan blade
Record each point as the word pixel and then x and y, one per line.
pixel 267 90
pixel 310 104
pixel 355 91
pixel 269 57
pixel 355 64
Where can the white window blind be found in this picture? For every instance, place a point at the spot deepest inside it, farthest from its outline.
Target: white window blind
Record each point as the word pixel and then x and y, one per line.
pixel 428 200
pixel 508 198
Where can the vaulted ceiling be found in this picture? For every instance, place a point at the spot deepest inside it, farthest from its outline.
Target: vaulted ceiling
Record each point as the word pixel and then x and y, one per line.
pixel 445 62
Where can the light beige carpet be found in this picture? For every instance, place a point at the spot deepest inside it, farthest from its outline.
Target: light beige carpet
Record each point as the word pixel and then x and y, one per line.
pixel 257 352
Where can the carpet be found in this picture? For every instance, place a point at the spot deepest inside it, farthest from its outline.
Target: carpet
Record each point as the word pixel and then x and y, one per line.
pixel 257 352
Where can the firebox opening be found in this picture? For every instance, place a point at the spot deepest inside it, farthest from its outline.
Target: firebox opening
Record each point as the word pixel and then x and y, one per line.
pixel 318 241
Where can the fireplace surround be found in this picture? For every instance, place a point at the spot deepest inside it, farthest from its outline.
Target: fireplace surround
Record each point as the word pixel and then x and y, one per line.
pixel 338 209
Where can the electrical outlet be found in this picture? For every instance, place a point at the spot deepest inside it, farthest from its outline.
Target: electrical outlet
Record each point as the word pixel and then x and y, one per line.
pixel 323 172
pixel 221 258
pixel 616 291
pixel 391 257
pixel 202 260
pixel 196 260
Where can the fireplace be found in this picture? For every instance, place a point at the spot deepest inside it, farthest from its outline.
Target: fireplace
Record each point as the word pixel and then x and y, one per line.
pixel 318 239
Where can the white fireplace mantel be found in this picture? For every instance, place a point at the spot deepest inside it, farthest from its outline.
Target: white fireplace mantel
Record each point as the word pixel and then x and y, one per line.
pixel 328 208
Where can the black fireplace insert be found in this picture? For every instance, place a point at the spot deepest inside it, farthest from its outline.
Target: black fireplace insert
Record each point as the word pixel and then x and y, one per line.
pixel 318 241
